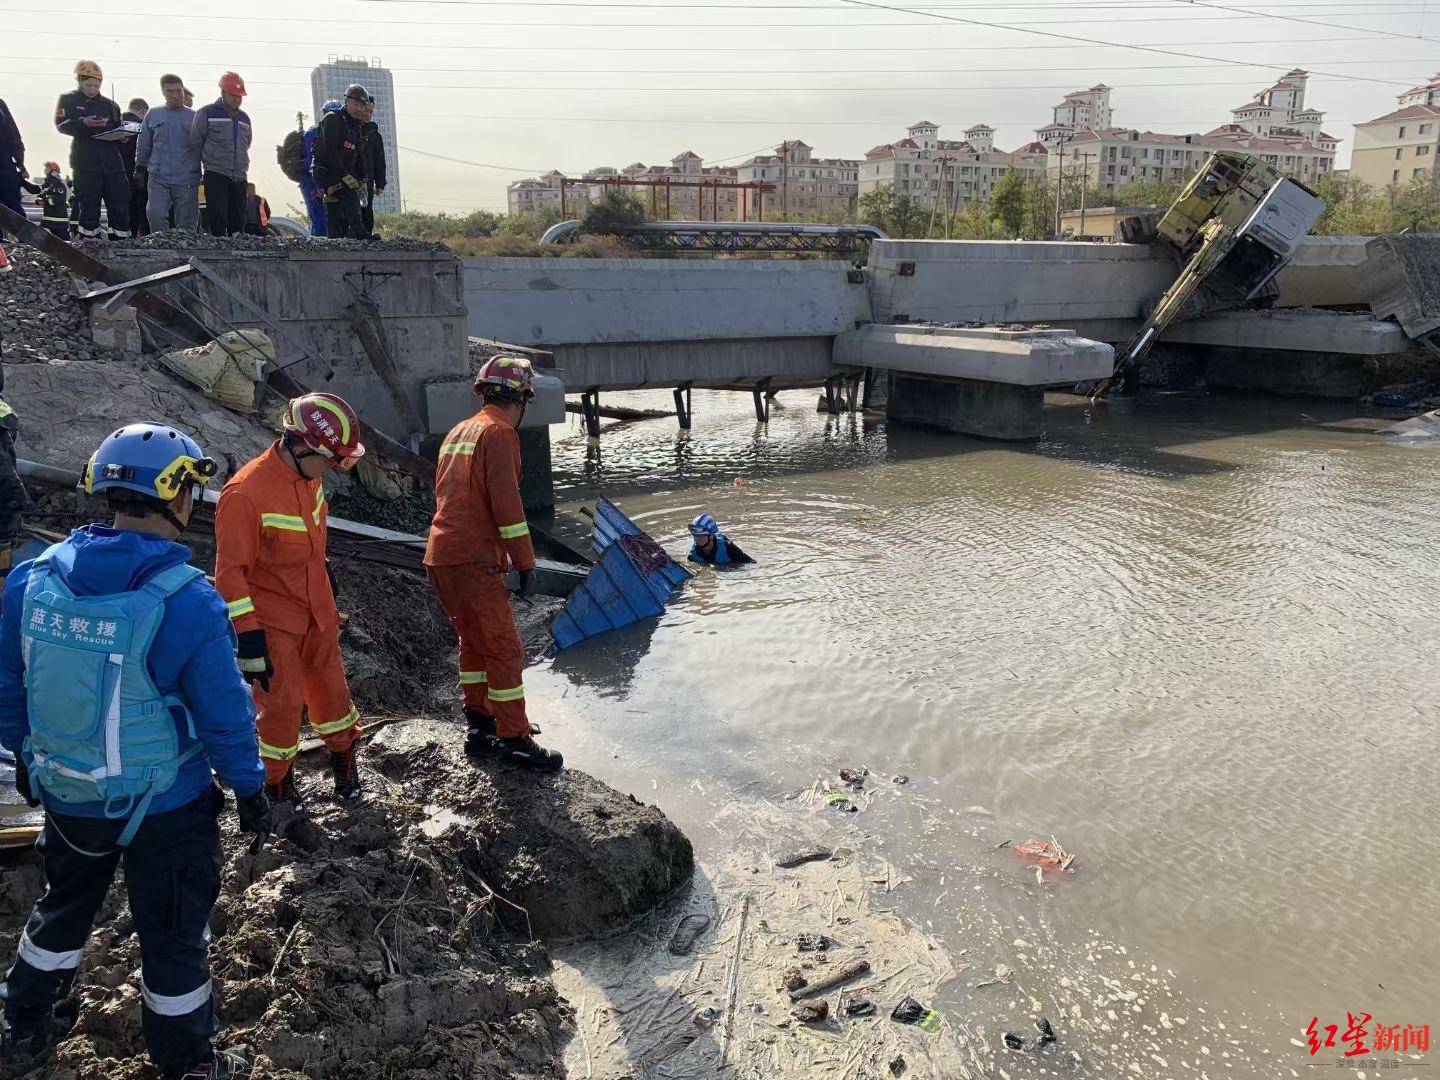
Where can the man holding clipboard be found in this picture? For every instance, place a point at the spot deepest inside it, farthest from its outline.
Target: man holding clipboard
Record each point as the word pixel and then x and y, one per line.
pixel 93 123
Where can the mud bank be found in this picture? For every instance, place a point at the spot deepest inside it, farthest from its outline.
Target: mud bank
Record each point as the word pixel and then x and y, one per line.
pixel 394 940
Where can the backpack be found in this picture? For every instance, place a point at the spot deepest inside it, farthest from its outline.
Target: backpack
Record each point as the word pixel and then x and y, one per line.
pixel 100 730
pixel 290 155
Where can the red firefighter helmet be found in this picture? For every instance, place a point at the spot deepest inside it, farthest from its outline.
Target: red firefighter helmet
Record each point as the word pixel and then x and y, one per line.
pixel 510 376
pixel 327 425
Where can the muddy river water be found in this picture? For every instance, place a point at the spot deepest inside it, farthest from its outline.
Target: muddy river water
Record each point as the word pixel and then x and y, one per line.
pixel 1193 638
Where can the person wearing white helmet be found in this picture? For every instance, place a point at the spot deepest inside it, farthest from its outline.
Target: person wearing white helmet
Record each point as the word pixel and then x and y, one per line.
pixel 711 547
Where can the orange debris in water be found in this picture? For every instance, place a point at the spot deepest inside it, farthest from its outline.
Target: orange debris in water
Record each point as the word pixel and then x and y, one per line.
pixel 1046 853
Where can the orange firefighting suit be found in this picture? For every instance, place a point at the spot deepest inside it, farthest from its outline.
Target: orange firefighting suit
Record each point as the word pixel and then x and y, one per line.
pixel 479 526
pixel 270 568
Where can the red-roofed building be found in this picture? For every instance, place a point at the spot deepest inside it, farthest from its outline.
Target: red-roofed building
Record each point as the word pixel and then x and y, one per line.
pixel 1403 144
pixel 1275 125
pixel 805 186
pixel 924 168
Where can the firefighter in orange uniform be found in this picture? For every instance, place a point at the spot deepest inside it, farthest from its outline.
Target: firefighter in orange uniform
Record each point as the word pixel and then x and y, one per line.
pixel 270 568
pixel 479 527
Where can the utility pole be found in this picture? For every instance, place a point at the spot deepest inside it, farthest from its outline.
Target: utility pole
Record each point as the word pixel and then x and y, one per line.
pixel 1084 185
pixel 1059 185
pixel 784 149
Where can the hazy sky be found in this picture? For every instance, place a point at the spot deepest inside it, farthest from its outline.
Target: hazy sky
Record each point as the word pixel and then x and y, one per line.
pixel 571 84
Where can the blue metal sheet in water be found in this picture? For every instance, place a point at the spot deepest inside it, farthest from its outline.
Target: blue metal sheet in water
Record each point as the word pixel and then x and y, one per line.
pixel 630 581
pixel 611 524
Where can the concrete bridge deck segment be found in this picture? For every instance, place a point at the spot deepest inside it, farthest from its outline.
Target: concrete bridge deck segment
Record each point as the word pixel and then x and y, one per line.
pixel 985 381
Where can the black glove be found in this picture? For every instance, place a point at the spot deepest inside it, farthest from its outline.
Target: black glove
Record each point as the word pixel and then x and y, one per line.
pixel 254 659
pixel 22 782
pixel 254 813
pixel 527 584
pixel 142 179
pixel 33 189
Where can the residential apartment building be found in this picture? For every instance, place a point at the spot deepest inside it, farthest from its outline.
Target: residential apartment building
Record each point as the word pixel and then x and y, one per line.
pixel 684 190
pixel 1275 125
pixel 805 186
pixel 922 167
pixel 1401 145
pixel 538 194
pixel 329 81
pixel 680 191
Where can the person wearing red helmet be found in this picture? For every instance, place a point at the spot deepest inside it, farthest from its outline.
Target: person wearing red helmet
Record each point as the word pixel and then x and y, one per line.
pixel 270 568
pixel 222 131
pixel 479 530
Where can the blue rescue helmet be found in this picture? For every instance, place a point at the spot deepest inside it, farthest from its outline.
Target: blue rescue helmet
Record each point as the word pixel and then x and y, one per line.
pixel 704 525
pixel 333 105
pixel 150 459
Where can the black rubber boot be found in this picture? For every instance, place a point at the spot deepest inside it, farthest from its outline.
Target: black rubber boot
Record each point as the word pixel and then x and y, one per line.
pixel 286 791
pixel 345 767
pixel 480 734
pixel 528 754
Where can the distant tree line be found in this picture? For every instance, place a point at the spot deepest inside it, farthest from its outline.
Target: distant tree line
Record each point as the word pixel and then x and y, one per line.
pixel 1019 208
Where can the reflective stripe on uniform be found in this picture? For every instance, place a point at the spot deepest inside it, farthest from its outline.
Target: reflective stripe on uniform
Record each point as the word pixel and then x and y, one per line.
pixel 514 694
pixel 348 720
pixel 243 606
pixel 174 1004
pixel 289 522
pixel 319 504
pixel 44 959
pixel 457 448
pixel 510 532
pixel 278 753
pixel 470 678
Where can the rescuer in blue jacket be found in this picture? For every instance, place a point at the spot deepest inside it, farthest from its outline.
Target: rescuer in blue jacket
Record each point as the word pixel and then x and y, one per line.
pixel 182 694
pixel 711 547
pixel 314 197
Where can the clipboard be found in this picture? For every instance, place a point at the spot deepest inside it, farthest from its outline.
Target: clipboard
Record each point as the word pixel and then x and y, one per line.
pixel 116 134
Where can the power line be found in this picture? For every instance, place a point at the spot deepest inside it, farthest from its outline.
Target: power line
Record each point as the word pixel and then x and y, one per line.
pixel 1308 22
pixel 1076 42
pixel 1236 15
pixel 1067 37
pixel 1389 62
pixel 852 88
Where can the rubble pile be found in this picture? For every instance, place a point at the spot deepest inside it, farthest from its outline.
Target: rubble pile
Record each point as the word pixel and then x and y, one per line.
pixel 41 322
pixel 392 940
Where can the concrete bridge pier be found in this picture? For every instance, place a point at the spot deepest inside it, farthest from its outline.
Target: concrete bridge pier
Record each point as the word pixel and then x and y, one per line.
pixel 967 406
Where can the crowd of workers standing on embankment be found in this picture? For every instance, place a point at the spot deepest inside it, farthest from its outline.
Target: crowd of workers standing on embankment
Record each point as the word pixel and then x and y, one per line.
pixel 177 166
pixel 124 672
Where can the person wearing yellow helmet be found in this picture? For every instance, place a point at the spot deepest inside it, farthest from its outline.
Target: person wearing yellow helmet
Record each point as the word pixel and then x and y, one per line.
pixel 97 164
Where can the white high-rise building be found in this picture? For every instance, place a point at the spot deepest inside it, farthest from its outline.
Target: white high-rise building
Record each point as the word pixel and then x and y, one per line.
pixel 330 79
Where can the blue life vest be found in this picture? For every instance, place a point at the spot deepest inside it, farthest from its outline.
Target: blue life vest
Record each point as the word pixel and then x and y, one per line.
pixel 721 555
pixel 100 730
